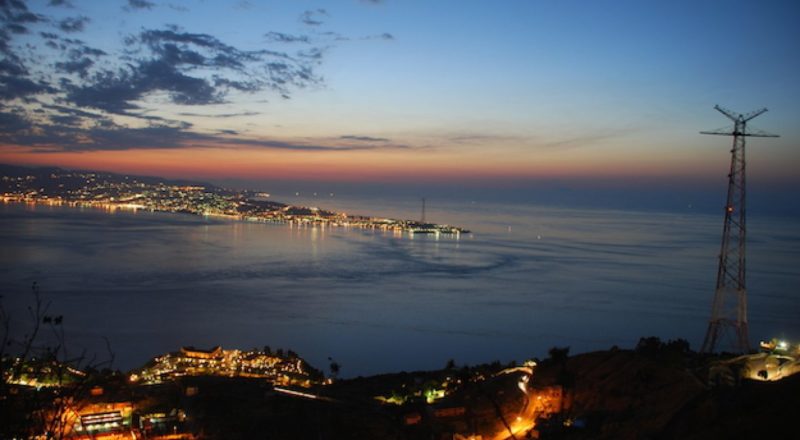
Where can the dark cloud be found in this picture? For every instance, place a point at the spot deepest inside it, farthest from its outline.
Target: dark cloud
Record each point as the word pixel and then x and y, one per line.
pixel 179 8
pixel 139 4
pixel 588 140
pixel 335 36
pixel 73 24
pixel 15 28
pixel 351 137
pixel 70 130
pixel 13 87
pixel 86 50
pixel 313 17
pixel 69 120
pixel 157 39
pixel 15 19
pixel 12 121
pixel 65 131
pixel 12 68
pixel 383 36
pixel 58 93
pixel 173 61
pixel 280 37
pixel 220 115
pixel 11 25
pixel 14 14
pixel 70 111
pixel 314 53
pixel 285 145
pixel 9 8
pixel 79 66
pixel 113 92
pixel 28 17
pixel 71 48
pixel 64 3
pixel 477 137
pixel 242 86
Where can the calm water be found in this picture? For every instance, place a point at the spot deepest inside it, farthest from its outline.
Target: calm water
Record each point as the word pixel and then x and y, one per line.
pixel 527 278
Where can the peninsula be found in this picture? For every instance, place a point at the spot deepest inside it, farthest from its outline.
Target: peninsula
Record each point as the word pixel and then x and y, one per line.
pixel 56 186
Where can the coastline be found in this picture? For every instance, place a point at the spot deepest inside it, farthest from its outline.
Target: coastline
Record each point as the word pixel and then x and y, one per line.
pixel 326 219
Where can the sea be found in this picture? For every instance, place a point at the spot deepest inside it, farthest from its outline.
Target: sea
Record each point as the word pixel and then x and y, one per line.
pixel 133 285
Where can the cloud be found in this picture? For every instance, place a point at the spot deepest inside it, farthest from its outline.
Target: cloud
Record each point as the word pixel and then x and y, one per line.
pixel 12 67
pixel 582 141
pixel 280 37
pixel 12 121
pixel 384 36
pixel 335 36
pixel 58 93
pixel 78 58
pixel 71 111
pixel 177 62
pixel 484 139
pixel 314 17
pixel 470 138
pixel 78 66
pixel 372 2
pixel 220 115
pixel 179 8
pixel 15 16
pixel 300 146
pixel 73 24
pixel 64 3
pixel 71 130
pixel 13 87
pixel 350 137
pixel 314 53
pixel 65 42
pixel 139 4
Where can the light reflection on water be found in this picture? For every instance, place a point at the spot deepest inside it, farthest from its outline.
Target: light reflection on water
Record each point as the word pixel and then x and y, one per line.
pixel 528 278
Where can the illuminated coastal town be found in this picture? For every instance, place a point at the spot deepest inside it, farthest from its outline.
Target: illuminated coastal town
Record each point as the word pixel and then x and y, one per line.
pixel 55 186
pixel 277 368
pixel 196 393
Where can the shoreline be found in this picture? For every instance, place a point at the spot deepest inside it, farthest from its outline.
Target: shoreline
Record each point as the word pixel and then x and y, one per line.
pixel 338 220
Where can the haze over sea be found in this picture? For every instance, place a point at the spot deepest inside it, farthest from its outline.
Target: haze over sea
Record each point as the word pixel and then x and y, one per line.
pixel 527 278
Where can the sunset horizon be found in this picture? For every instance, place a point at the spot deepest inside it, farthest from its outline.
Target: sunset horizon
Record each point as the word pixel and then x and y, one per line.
pixel 291 98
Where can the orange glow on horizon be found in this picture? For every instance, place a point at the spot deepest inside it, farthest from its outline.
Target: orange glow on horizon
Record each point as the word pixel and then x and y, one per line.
pixel 398 166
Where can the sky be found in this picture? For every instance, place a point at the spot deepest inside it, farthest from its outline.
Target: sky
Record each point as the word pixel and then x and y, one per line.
pixel 500 94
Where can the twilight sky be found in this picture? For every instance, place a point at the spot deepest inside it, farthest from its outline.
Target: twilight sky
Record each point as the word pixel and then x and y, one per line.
pixel 394 91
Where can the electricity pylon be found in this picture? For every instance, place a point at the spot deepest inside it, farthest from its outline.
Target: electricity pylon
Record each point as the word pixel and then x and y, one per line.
pixel 729 310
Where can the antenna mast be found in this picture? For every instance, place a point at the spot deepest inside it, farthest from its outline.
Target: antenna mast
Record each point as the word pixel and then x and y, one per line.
pixel 423 211
pixel 729 310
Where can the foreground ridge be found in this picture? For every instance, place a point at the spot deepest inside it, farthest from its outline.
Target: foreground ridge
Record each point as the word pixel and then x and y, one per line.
pixel 659 390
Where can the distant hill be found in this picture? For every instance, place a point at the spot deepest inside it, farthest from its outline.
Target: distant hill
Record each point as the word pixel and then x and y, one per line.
pixel 45 172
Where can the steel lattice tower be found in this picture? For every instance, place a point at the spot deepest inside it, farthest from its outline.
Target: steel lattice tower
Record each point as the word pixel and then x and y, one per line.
pixel 729 310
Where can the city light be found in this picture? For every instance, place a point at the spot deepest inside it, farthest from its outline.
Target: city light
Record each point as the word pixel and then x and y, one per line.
pixel 112 193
